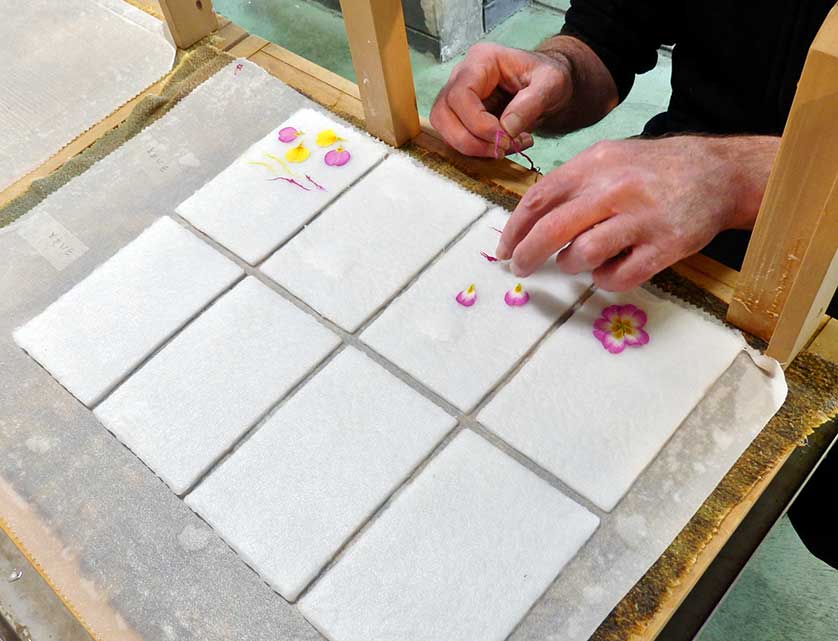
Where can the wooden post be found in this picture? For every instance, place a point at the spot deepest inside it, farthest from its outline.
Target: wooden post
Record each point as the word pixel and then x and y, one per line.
pixel 792 216
pixel 189 20
pixel 378 43
pixel 812 289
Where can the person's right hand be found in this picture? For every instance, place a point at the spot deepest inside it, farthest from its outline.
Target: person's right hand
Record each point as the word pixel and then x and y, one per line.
pixel 499 88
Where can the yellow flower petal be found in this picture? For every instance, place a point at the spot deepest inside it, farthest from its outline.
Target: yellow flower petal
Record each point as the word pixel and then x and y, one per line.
pixel 327 138
pixel 297 154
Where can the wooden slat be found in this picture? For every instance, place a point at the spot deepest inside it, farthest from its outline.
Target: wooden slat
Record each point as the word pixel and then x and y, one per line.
pixel 378 43
pixel 316 71
pixel 189 20
pixel 326 95
pixel 247 47
pixel 812 289
pixel 825 344
pixel 230 35
pixel 800 181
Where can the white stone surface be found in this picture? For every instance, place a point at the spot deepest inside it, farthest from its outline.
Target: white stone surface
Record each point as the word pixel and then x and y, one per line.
pixel 373 240
pixel 100 330
pixel 597 419
pixel 190 403
pixel 250 214
pixel 462 352
pixel 318 468
pixel 460 555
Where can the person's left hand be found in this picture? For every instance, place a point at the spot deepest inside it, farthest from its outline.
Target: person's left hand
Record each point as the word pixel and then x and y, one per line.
pixel 630 208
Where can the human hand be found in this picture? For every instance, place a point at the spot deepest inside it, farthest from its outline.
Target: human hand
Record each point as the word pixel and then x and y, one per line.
pixel 630 208
pixel 495 89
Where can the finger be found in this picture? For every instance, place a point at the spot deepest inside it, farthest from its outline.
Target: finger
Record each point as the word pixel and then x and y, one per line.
pixel 541 198
pixel 599 244
pixel 554 231
pixel 542 93
pixel 629 271
pixel 466 103
pixel 456 134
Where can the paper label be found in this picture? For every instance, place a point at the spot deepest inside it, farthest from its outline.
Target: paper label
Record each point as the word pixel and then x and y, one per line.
pixel 52 240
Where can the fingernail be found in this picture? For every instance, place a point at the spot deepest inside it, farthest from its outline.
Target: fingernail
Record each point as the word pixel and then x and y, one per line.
pixel 512 124
pixel 502 251
pixel 525 140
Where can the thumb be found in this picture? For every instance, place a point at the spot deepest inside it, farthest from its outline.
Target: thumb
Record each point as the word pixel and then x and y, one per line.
pixel 543 93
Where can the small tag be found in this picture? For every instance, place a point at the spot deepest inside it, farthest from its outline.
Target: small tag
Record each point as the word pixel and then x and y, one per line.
pixel 52 240
pixel 157 153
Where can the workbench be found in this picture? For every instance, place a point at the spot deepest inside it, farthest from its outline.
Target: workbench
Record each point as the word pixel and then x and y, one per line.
pixel 717 565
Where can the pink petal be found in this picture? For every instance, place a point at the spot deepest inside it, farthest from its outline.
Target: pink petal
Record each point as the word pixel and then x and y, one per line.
pixel 637 315
pixel 337 158
pixel 602 325
pixel 642 337
pixel 466 300
pixel 610 312
pixel 516 300
pixel 287 134
pixel 613 345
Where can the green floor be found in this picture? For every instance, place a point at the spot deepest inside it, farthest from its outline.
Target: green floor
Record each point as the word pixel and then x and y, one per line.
pixel 784 594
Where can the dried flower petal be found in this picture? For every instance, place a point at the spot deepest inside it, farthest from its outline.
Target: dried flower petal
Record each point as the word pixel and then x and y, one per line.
pixel 288 134
pixel 467 297
pixel 516 296
pixel 337 157
pixel 327 138
pixel 297 154
pixel 621 326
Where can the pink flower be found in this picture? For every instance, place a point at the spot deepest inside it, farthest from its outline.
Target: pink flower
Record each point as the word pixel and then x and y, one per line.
pixel 621 326
pixel 467 297
pixel 337 157
pixel 516 296
pixel 288 134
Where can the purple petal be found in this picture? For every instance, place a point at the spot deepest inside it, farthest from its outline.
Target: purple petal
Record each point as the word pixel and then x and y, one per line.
pixel 287 134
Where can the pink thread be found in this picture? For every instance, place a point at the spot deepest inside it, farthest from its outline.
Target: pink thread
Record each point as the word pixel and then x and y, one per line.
pixel 239 67
pixel 311 180
pixel 292 181
pixel 500 231
pixel 491 259
pixel 516 148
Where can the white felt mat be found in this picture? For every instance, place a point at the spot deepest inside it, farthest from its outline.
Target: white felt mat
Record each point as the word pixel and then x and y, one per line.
pixel 251 207
pixel 193 399
pixel 102 328
pixel 595 418
pixel 69 64
pixel 462 352
pixel 460 555
pixel 373 240
pixel 311 476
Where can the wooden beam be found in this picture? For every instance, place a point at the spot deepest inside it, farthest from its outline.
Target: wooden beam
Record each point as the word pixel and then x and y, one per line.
pixel 378 43
pixel 189 20
pixel 794 201
pixel 813 287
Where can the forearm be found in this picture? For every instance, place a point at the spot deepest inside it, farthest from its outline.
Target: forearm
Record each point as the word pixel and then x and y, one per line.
pixel 747 160
pixel 594 91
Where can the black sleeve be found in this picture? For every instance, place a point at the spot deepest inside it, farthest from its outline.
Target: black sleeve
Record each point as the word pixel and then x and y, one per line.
pixel 625 34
